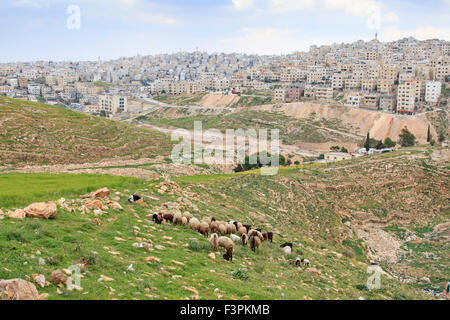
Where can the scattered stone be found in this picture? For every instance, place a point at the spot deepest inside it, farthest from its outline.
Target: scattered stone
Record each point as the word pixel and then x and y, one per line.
pixel 106 279
pixel 58 277
pixel 141 203
pixel 44 296
pixel 17 214
pixel 212 256
pixel 178 263
pixel 190 290
pixel 101 193
pixel 41 262
pixel 39 279
pixel 153 259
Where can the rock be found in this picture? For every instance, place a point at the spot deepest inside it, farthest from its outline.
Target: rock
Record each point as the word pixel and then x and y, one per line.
pixel 101 193
pixel 212 256
pixel 58 277
pixel 41 210
pixel 39 279
pixel 94 204
pixel 153 259
pixel 18 214
pixel 44 296
pixel 41 262
pixel 191 290
pixel 245 297
pixel 313 270
pixel 106 279
pixel 115 206
pixel 178 263
pixel 141 203
pixel 18 289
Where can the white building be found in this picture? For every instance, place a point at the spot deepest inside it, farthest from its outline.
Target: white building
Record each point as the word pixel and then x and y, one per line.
pixel 34 89
pixel 113 104
pixel 433 91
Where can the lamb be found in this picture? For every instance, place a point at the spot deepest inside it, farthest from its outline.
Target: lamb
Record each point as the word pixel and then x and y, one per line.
pixel 287 247
pixel 214 241
pixel 204 228
pixel 255 242
pixel 305 262
pixel 244 239
pixel 158 218
pixel 177 218
pixel 297 262
pixel 235 238
pixel 222 229
pixel 227 243
pixel 195 224
pixel 242 230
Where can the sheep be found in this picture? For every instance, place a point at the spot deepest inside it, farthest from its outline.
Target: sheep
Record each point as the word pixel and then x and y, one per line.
pixel 195 224
pixel 168 217
pixel 184 221
pixel 235 238
pixel 213 219
pixel 214 226
pixel 242 230
pixel 234 222
pixel 239 225
pixel 134 198
pixel 207 220
pixel 265 235
pixel 214 241
pixel 297 262
pixel 287 247
pixel 247 226
pixel 158 218
pixel 255 242
pixel 177 218
pixel 204 228
pixel 231 228
pixel 244 239
pixel 256 233
pixel 227 243
pixel 188 215
pixel 222 229
pixel 305 262
pixel 268 236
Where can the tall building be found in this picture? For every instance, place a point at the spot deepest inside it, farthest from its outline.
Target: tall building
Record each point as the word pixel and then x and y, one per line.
pixel 433 91
pixel 408 95
pixel 113 104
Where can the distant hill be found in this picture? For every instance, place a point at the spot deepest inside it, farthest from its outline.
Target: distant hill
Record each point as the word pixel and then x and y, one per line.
pixel 35 133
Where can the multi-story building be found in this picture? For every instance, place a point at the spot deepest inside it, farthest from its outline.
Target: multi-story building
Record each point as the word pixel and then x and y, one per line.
pixel 433 91
pixel 34 89
pixel 407 96
pixel 113 104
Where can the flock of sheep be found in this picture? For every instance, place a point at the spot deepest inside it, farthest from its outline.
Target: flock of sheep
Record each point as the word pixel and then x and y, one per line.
pixel 220 229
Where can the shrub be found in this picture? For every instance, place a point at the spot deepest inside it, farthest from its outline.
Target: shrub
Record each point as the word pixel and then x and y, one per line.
pixel 240 274
pixel 407 139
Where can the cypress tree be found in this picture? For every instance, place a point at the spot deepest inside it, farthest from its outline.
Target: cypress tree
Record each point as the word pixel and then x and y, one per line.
pixel 367 144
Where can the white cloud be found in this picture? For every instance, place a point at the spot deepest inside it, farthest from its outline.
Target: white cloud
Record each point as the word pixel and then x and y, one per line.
pixel 291 5
pixel 390 17
pixel 422 33
pixel 358 8
pixel 29 3
pixel 242 4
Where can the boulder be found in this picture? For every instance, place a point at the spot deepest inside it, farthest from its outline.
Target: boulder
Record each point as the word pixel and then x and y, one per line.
pixel 101 193
pixel 141 203
pixel 18 214
pixel 94 205
pixel 58 277
pixel 18 289
pixel 115 206
pixel 39 279
pixel 41 210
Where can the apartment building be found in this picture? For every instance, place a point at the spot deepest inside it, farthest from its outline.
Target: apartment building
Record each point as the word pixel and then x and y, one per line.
pixel 34 89
pixel 280 95
pixel 387 103
pixel 441 72
pixel 433 91
pixel 407 96
pixel 323 93
pixel 337 81
pixel 113 104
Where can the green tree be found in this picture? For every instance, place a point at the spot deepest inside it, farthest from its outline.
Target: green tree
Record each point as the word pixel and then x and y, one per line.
pixel 367 144
pixel 407 139
pixel 344 150
pixel 389 143
pixel 441 137
pixel 429 136
pixel 334 148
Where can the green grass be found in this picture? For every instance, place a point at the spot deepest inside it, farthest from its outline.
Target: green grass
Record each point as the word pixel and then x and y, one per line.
pixel 18 190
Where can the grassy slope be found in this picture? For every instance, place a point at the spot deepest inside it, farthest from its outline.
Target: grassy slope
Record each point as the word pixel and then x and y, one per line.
pixel 295 203
pixel 35 133
pixel 291 130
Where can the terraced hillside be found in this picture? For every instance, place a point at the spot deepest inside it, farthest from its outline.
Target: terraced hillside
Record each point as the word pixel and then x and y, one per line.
pixel 390 208
pixel 33 133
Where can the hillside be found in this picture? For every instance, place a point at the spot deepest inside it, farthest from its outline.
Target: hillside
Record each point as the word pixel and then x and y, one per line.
pixel 390 208
pixel 35 134
pixel 358 121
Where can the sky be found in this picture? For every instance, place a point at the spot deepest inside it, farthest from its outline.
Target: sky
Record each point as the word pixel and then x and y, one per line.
pixel 81 30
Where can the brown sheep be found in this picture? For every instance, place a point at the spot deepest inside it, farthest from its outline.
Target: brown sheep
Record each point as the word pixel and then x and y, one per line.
pixel 231 228
pixel 227 243
pixel 265 235
pixel 256 233
pixel 168 217
pixel 214 241
pixel 239 225
pixel 195 224
pixel 244 239
pixel 247 226
pixel 242 230
pixel 270 236
pixel 204 228
pixel 222 229
pixel 255 242
pixel 158 218
pixel 184 221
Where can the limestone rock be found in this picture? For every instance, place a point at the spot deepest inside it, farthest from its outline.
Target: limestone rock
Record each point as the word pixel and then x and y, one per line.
pixel 18 214
pixel 41 210
pixel 58 277
pixel 101 193
pixel 18 289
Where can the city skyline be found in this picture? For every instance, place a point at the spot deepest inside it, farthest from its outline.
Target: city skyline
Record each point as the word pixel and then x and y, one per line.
pixel 37 29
